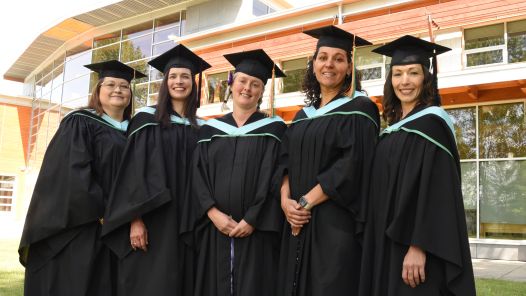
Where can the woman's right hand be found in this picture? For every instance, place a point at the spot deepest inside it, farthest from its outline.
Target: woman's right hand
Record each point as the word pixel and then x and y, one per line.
pixel 296 215
pixel 138 235
pixel 224 223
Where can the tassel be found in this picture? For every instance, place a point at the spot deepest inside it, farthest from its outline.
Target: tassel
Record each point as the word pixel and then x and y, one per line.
pixel 271 107
pixel 352 87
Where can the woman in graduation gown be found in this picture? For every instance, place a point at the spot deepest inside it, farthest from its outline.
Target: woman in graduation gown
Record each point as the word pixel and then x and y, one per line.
pixel 416 240
pixel 238 220
pixel 144 214
pixel 325 163
pixel 60 245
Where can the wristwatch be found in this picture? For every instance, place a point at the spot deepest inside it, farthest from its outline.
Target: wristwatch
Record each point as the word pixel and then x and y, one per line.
pixel 304 203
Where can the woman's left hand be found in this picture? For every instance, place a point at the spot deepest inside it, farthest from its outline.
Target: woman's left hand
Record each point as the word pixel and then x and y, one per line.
pixel 243 229
pixel 413 268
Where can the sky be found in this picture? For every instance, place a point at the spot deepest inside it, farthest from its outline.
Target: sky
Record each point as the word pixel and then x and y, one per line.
pixel 22 21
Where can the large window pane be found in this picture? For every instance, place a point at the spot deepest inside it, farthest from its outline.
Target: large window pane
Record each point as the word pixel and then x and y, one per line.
pixel 137 30
pixel 136 49
pixel 517 41
pixel 105 53
pixel 141 66
pixel 141 95
pixel 76 88
pixel 484 36
pixel 464 121
pixel 484 58
pixel 162 47
pixel 469 192
pixel 503 199
pixel 165 35
pixel 167 21
pixel 502 131
pixel 75 65
pixel 295 71
pixel 217 85
pixel 106 39
pixel 368 63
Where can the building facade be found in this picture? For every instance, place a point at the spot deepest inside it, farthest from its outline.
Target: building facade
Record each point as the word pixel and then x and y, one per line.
pixel 482 80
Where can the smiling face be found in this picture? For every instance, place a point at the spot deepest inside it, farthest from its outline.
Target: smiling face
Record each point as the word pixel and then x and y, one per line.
pixel 179 83
pixel 114 93
pixel 246 90
pixel 408 81
pixel 331 66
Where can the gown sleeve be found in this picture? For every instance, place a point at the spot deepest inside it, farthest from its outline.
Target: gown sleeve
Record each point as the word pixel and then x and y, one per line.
pixel 265 213
pixel 66 193
pixel 346 180
pixel 140 185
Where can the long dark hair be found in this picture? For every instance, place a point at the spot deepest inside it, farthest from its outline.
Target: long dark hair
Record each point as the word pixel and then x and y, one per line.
pixel 311 86
pixel 391 103
pixel 95 104
pixel 164 103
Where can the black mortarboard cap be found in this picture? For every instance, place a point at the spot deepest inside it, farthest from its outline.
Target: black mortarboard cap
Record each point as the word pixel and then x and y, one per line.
pixel 254 63
pixel 180 57
pixel 332 36
pixel 411 50
pixel 115 69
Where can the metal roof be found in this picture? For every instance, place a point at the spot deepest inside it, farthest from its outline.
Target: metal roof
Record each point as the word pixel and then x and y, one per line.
pixel 49 41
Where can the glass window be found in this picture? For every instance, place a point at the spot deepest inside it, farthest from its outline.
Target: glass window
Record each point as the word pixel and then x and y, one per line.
pixel 106 39
pixel 141 66
pixel 469 192
pixel 484 36
pixel 295 71
pixel 141 95
pixel 75 52
pixel 217 86
pixel 155 86
pixel 484 58
pixel 259 8
pixel 76 103
pixel 503 199
pixel 167 21
pixel 502 131
pixel 136 49
pixel 162 47
pixel 105 53
pixel 464 121
pixel 75 65
pixel 137 30
pixel 516 41
pixel 58 76
pixel 76 88
pixel 164 35
pixel 368 63
pixel 152 100
pixel 155 74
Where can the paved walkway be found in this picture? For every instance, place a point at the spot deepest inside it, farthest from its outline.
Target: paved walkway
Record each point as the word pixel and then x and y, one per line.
pixel 500 269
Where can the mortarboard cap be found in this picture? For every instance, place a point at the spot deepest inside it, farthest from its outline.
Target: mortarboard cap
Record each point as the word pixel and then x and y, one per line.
pixel 180 57
pixel 115 69
pixel 254 63
pixel 411 50
pixel 332 36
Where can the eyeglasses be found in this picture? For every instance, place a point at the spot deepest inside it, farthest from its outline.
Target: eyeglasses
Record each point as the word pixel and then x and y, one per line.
pixel 113 86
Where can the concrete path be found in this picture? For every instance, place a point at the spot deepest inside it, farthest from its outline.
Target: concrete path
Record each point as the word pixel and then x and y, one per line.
pixel 500 269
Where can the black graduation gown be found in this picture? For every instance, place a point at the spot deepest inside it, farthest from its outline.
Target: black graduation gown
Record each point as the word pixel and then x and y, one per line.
pixel 151 184
pixel 60 245
pixel 335 150
pixel 234 174
pixel 416 199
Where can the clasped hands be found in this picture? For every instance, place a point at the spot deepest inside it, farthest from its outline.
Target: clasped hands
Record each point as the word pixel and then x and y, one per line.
pixel 228 226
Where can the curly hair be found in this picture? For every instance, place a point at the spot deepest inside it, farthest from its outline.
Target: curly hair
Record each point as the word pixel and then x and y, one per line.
pixel 311 86
pixel 95 104
pixel 391 103
pixel 164 103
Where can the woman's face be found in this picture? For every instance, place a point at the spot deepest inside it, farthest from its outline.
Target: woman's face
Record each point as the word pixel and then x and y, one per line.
pixel 179 83
pixel 246 90
pixel 331 66
pixel 408 81
pixel 114 93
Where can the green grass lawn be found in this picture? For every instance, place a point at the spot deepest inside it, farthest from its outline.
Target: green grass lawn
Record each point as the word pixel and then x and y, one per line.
pixel 12 276
pixel 11 272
